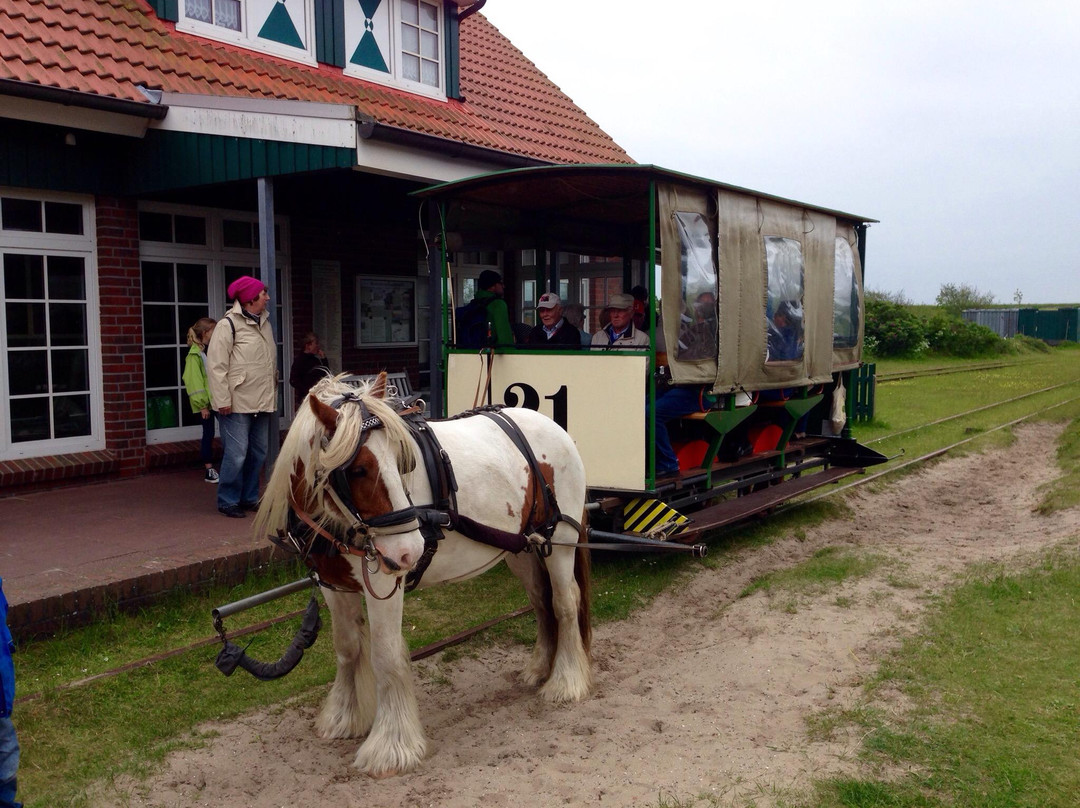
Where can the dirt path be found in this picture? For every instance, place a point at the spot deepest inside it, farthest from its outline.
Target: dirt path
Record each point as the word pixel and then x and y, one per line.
pixel 702 693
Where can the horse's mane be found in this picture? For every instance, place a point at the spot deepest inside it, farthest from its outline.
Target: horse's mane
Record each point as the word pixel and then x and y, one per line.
pixel 310 452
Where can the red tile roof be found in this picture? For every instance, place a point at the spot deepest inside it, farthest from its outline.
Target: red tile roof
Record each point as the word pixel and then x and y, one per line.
pixel 109 47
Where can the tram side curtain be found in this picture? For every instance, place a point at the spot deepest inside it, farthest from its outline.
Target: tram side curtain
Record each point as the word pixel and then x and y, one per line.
pixel 848 326
pixel 783 258
pixel 689 296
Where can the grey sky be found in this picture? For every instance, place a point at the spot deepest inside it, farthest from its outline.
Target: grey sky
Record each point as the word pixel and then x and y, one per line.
pixel 957 124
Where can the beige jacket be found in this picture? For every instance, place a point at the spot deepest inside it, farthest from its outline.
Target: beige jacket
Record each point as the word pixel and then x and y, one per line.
pixel 241 363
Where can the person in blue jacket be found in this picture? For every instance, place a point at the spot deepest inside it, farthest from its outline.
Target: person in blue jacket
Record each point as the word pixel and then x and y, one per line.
pixel 9 744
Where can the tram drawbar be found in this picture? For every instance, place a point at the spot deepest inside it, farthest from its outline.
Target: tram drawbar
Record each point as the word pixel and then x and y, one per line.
pixel 753 307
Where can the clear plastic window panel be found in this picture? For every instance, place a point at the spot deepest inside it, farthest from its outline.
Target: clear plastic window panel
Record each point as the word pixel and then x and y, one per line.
pixel 784 306
pixel 845 297
pixel 698 318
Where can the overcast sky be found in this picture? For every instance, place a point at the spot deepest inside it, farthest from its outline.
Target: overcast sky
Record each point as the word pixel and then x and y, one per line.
pixel 955 123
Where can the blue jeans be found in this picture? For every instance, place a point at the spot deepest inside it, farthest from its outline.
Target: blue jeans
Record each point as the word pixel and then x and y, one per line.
pixel 9 764
pixel 206 448
pixel 675 401
pixel 245 437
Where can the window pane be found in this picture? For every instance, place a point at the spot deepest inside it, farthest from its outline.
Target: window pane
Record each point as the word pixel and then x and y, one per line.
pixel 67 324
pixel 70 371
pixel 698 320
pixel 28 372
pixel 410 68
pixel 25 325
pixel 71 416
pixel 67 278
pixel 159 325
pixel 161 411
pixel 191 283
pixel 29 419
pixel 410 39
pixel 162 367
pixel 24 276
pixel 187 318
pixel 784 309
pixel 155 226
pixel 227 14
pixel 20 214
pixel 429 17
pixel 63 217
pixel 237 234
pixel 190 230
pixel 846 297
pixel 429 46
pixel 198 10
pixel 157 282
pixel 430 74
pixel 410 12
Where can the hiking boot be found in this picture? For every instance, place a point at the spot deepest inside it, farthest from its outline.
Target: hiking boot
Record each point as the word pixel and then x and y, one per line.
pixel 211 476
pixel 235 511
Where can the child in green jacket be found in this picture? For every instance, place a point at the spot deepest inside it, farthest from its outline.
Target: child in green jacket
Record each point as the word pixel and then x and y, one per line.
pixel 198 390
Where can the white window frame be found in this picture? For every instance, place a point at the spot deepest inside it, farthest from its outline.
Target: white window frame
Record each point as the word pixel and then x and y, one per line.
pixel 354 28
pixel 247 36
pixel 217 257
pixel 85 247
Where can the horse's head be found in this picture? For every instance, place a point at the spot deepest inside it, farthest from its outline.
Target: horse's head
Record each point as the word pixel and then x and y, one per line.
pixel 345 465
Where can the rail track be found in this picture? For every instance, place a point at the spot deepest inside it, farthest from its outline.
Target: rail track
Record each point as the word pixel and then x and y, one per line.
pixel 939 371
pixel 462 636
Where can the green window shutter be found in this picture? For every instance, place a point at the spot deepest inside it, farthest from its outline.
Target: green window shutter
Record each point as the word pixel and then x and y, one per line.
pixel 166 9
pixel 367 53
pixel 453 82
pixel 330 32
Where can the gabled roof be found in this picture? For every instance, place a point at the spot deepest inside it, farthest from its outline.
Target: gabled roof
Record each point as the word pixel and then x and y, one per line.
pixel 109 48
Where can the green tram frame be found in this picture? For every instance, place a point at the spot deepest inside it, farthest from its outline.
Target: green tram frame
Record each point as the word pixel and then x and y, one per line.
pixel 643 213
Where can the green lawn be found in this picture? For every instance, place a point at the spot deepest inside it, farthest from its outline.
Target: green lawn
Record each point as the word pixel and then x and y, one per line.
pixel 74 736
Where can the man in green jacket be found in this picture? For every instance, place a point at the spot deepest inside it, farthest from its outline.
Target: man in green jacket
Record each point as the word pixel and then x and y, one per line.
pixel 491 287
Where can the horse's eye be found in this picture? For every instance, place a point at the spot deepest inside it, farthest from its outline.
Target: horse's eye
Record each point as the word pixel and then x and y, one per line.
pixel 360 471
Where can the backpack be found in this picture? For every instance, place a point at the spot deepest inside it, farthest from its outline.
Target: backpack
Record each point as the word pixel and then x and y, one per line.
pixel 472 324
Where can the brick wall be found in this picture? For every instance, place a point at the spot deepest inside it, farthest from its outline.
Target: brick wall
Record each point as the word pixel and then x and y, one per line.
pixel 120 291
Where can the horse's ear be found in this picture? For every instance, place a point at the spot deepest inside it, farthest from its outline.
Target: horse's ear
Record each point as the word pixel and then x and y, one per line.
pixel 378 387
pixel 324 412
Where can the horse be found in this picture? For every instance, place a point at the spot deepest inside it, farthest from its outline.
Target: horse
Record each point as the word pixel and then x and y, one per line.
pixel 352 470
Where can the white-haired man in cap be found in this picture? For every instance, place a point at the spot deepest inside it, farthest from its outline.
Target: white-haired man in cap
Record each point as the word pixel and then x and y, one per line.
pixel 241 364
pixel 620 331
pixel 554 329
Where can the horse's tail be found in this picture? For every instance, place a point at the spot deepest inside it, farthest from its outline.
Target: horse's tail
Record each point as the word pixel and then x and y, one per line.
pixel 583 576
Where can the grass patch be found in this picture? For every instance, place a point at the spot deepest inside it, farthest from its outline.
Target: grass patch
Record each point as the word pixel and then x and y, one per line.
pixel 993 685
pixel 1064 492
pixel 827 567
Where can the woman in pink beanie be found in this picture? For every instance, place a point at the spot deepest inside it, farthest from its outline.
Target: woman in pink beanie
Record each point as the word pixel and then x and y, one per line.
pixel 241 364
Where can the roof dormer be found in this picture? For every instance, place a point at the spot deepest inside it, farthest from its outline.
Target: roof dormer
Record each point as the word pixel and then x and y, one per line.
pixel 408 44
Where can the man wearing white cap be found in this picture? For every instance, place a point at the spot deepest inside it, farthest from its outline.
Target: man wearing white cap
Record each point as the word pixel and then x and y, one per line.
pixel 620 331
pixel 554 330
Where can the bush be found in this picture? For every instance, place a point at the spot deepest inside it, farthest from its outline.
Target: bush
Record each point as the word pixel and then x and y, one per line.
pixel 960 338
pixel 893 330
pixel 1022 343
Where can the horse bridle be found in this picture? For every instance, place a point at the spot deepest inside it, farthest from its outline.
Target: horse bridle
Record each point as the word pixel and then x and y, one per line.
pixel 403 520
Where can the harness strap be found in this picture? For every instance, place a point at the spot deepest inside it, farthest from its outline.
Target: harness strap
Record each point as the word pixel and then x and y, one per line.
pixel 551 507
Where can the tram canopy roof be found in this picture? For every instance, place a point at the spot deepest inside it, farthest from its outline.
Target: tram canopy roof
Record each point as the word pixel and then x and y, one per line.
pixel 604 194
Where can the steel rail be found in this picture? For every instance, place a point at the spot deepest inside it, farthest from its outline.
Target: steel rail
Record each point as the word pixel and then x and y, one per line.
pixel 970 412
pixel 899 375
pixel 921 459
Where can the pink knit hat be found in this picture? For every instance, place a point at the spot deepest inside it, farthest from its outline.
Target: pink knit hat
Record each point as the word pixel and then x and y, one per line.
pixel 245 288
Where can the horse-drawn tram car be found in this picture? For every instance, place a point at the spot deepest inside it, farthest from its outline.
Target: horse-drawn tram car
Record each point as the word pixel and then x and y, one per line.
pixel 711 407
pixel 752 307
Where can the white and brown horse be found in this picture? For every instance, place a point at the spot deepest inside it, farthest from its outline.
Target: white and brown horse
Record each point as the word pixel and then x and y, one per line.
pixel 351 466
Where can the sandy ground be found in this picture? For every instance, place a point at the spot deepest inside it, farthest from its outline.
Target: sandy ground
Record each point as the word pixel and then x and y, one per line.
pixel 703 693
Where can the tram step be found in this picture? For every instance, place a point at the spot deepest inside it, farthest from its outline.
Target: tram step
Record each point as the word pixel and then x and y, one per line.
pixel 739 508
